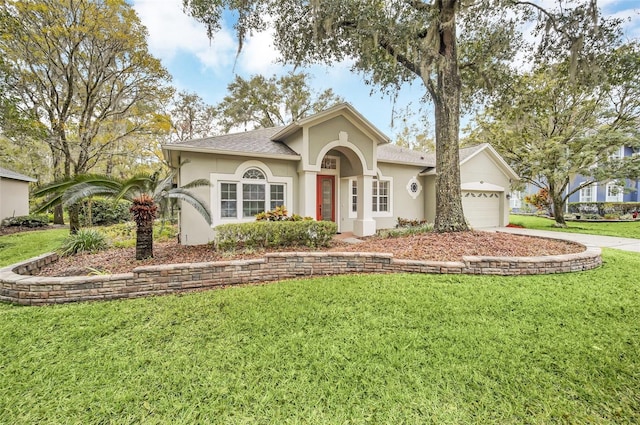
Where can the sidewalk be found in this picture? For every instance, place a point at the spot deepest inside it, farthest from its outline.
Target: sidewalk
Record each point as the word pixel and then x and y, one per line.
pixel 625 244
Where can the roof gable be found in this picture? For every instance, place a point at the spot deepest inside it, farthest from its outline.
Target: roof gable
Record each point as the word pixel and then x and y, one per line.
pixel 466 154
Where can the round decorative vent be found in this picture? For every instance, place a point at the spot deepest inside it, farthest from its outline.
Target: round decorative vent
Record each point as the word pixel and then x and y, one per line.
pixel 414 187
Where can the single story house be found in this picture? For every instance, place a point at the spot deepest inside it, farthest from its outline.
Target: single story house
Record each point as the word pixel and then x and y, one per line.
pixel 334 165
pixel 14 193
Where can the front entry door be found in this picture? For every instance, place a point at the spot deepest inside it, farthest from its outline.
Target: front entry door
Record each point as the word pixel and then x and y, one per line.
pixel 325 195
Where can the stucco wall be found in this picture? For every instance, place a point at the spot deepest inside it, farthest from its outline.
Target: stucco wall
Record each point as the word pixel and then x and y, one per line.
pixel 322 134
pixel 14 198
pixel 194 230
pixel 403 204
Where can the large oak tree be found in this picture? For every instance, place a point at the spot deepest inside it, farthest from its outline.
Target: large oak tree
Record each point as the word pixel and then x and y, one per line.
pixel 81 69
pixel 453 48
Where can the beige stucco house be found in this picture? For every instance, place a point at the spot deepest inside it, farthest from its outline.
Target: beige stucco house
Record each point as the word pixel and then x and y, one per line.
pixel 334 165
pixel 14 193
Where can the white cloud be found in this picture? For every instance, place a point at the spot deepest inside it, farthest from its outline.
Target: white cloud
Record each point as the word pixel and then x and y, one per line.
pixel 259 55
pixel 172 32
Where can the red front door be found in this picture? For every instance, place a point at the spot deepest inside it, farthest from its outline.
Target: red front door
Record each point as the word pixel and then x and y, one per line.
pixel 325 196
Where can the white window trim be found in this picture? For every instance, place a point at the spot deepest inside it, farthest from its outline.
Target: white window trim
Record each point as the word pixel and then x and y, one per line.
pixel 618 197
pixel 352 214
pixel 384 213
pixel 218 178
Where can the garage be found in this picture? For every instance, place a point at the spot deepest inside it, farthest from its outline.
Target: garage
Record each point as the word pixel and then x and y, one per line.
pixel 481 202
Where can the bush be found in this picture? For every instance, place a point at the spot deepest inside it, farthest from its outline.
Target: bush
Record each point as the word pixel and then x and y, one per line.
pixel 406 222
pixel 103 212
pixel 31 221
pixel 422 227
pixel 604 208
pixel 263 234
pixel 86 240
pixel 279 214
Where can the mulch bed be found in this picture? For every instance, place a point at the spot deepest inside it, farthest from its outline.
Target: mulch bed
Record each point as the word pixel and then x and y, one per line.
pixel 428 246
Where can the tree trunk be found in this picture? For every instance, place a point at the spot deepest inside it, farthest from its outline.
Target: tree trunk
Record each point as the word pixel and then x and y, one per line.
pixel 74 218
pixel 449 214
pixel 144 240
pixel 558 210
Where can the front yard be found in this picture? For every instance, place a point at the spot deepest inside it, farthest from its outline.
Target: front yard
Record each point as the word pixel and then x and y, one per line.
pixel 357 349
pixel 623 229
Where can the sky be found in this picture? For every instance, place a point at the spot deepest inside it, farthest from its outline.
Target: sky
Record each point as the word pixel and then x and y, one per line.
pixel 206 67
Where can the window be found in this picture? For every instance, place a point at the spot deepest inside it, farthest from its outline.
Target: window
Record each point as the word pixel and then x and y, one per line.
pixel 380 198
pixel 329 163
pixel 354 196
pixel 251 195
pixel 276 196
pixel 586 194
pixel 228 200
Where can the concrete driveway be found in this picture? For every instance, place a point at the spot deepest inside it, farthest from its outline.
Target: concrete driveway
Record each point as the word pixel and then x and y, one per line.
pixel 625 244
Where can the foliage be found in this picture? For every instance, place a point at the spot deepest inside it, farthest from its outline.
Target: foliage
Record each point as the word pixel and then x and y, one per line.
pixel 603 208
pixel 406 230
pixel 31 221
pixel 280 213
pixel 621 229
pixel 263 234
pixel 143 209
pixel 190 118
pixel 268 102
pixel 85 240
pixel 81 77
pixel 541 200
pixel 24 245
pixel 103 212
pixel 382 349
pixel 406 222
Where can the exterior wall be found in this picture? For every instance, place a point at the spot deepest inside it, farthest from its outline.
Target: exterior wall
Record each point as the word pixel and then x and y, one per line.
pixel 329 131
pixel 402 203
pixel 193 229
pixel 430 199
pixel 482 168
pixel 14 198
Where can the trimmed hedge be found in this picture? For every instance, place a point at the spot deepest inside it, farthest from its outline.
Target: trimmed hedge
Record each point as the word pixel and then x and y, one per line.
pixel 263 234
pixel 604 208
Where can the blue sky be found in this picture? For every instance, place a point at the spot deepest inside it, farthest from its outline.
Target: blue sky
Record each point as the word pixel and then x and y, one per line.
pixel 207 67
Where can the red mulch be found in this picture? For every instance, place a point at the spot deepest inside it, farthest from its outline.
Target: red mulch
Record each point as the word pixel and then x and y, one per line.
pixel 428 246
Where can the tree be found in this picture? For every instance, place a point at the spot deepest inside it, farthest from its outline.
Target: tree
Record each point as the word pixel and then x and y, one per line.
pixel 396 41
pixel 82 70
pixel 147 194
pixel 190 118
pixel 553 124
pixel 268 102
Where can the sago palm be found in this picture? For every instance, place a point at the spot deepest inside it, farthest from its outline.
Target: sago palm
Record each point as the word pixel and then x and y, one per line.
pixel 147 194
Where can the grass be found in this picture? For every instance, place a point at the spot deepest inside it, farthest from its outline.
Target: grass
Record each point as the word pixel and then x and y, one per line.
pixel 22 246
pixel 624 229
pixel 364 349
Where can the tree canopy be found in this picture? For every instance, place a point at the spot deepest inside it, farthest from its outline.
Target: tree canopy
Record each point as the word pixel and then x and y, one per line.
pixel 455 48
pixel 261 102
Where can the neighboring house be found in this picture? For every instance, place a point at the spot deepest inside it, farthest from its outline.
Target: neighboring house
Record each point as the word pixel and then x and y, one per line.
pixel 14 193
pixel 334 165
pixel 607 191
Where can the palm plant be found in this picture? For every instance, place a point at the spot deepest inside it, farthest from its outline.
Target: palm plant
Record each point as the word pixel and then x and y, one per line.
pixel 148 194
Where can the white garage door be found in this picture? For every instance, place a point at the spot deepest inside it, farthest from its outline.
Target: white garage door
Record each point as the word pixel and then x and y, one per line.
pixel 482 209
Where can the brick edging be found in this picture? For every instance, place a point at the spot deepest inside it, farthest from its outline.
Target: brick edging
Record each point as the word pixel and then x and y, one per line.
pixel 19 287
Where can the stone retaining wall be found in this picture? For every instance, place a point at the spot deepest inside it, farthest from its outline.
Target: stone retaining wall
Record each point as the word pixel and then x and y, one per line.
pixel 17 286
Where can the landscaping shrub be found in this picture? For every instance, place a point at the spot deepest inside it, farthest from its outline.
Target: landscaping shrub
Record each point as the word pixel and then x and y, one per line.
pixel 263 234
pixel 407 222
pixel 86 240
pixel 421 227
pixel 603 208
pixel 31 221
pixel 279 214
pixel 103 212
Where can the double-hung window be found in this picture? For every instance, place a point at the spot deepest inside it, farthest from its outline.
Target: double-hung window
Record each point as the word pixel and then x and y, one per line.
pixel 586 194
pixel 380 195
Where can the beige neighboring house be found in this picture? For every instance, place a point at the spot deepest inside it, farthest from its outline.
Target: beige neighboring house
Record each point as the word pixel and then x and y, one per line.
pixel 334 165
pixel 14 193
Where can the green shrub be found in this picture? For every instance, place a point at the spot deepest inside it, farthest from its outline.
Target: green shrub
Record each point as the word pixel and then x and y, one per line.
pixel 263 234
pixel 103 212
pixel 423 227
pixel 32 221
pixel 407 222
pixel 604 208
pixel 280 214
pixel 86 240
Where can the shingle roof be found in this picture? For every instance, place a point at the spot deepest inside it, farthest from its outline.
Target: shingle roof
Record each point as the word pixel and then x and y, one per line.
pixel 255 141
pixel 394 153
pixel 8 174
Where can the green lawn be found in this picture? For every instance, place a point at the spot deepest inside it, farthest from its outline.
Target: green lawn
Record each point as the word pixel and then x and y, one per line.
pixel 625 229
pixel 22 246
pixel 391 349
